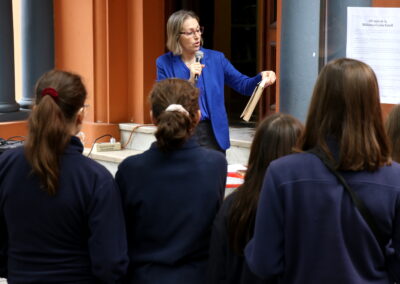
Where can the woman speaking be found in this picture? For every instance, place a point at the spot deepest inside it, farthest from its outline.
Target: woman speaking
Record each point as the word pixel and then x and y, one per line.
pixel 209 70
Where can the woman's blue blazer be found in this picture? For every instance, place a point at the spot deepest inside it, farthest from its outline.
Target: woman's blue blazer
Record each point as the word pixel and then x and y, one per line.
pixel 217 72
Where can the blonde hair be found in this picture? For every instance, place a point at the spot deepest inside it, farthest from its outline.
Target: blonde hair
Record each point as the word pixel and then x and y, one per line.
pixel 174 26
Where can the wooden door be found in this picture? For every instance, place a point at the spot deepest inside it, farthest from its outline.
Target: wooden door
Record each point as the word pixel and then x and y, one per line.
pixel 268 51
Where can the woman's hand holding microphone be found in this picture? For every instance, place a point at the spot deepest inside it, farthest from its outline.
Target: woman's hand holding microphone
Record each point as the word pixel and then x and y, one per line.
pixel 195 69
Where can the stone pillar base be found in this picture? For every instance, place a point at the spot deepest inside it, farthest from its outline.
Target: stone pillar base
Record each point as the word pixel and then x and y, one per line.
pixel 8 107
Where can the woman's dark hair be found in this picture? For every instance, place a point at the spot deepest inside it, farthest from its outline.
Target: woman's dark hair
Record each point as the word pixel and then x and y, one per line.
pixel 345 106
pixel 393 131
pixel 275 137
pixel 174 127
pixel 59 97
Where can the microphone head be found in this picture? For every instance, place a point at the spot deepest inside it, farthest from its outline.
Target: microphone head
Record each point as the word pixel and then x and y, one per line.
pixel 199 55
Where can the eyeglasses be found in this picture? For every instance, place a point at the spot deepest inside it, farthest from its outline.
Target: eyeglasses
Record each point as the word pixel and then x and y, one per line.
pixel 200 31
pixel 85 106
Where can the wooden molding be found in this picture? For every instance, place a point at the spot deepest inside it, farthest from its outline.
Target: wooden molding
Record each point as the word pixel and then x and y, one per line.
pixel 13 128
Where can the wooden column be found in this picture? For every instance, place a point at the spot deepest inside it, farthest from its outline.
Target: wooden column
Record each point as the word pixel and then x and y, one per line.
pixel 74 30
pixel 113 44
pixel 146 41
pixel 269 23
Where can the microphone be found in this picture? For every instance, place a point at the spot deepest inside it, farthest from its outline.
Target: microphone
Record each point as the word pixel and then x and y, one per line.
pixel 198 55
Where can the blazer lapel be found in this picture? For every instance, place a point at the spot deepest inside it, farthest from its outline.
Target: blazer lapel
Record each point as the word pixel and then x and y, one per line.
pixel 204 73
pixel 178 68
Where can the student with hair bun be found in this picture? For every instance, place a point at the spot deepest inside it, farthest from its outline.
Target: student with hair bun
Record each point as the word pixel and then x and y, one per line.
pixel 171 192
pixel 61 218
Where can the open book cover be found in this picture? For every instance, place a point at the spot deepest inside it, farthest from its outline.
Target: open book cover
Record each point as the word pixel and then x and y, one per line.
pixel 255 97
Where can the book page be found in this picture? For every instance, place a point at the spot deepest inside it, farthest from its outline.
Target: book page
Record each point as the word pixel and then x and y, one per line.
pixel 255 97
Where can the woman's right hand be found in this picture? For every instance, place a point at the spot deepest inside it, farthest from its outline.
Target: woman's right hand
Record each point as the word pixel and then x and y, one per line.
pixel 270 76
pixel 195 69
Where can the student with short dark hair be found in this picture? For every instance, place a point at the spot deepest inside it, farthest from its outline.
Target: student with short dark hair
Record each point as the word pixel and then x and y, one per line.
pixel 308 229
pixel 61 218
pixel 233 227
pixel 171 192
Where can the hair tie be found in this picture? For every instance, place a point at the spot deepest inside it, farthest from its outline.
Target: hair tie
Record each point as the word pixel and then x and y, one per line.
pixel 178 108
pixel 51 92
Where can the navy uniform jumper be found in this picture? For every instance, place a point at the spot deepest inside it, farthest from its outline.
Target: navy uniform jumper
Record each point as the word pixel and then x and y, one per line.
pixel 309 231
pixel 170 202
pixel 76 236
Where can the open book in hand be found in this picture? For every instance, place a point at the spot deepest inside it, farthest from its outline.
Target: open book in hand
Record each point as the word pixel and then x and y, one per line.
pixel 255 97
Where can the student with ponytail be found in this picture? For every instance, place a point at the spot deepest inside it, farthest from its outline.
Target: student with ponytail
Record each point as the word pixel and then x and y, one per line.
pixel 60 213
pixel 171 193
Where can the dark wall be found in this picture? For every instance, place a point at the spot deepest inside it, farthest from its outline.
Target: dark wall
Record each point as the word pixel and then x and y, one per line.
pixel 204 9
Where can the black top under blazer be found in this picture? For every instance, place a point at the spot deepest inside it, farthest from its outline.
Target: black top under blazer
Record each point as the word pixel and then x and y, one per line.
pixel 170 202
pixel 76 236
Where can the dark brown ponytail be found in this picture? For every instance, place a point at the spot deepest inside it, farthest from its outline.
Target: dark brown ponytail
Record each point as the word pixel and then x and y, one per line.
pixel 174 127
pixel 59 97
